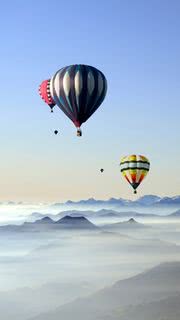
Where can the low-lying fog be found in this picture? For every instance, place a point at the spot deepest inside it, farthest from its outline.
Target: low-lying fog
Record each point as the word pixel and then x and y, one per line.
pixel 43 268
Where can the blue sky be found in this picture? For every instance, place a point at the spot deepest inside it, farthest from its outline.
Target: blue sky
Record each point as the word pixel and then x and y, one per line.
pixel 136 45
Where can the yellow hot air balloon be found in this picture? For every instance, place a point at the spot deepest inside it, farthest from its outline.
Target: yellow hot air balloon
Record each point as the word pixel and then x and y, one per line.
pixel 134 168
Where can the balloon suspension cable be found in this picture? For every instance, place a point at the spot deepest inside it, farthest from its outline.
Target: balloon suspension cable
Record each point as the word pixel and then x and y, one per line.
pixel 79 132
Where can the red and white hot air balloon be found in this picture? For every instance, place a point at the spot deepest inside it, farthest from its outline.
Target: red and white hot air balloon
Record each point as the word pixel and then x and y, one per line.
pixel 44 91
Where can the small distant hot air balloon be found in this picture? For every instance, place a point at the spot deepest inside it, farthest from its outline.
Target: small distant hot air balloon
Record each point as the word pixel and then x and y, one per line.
pixel 78 90
pixel 44 91
pixel 55 131
pixel 102 170
pixel 134 168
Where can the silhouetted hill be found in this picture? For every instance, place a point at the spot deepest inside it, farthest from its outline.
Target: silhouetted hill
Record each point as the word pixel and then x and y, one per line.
pixel 132 221
pixel 165 309
pixel 47 224
pixel 103 213
pixel 112 303
pixel 131 224
pixel 45 220
pixel 79 222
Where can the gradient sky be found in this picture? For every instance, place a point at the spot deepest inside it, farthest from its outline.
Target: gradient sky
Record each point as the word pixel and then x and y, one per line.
pixel 136 45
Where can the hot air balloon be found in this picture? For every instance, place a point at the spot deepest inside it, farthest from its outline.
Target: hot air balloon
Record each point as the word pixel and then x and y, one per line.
pixel 44 91
pixel 102 170
pixel 55 131
pixel 78 90
pixel 134 168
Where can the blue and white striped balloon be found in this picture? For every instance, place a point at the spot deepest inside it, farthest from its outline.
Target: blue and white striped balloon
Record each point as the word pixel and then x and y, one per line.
pixel 78 90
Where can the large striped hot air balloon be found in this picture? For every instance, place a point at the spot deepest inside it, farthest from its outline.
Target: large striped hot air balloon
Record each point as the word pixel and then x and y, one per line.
pixel 78 90
pixel 134 168
pixel 44 91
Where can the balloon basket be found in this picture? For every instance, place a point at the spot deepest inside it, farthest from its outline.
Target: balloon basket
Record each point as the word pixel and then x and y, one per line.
pixel 79 133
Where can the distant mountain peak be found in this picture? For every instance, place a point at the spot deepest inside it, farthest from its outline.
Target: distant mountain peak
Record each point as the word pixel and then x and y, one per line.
pixel 69 202
pixel 132 221
pixel 147 202
pixel 71 218
pixel 149 199
pixel 90 200
pixel 76 222
pixel 45 220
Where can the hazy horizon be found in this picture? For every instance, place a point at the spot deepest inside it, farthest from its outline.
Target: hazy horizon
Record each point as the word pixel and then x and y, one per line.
pixel 75 241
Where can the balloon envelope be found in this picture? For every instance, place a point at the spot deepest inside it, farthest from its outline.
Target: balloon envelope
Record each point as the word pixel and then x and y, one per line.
pixel 134 168
pixel 78 90
pixel 44 91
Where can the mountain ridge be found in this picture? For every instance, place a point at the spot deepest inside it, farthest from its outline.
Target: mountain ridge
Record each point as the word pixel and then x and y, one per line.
pixel 46 224
pixel 139 289
pixel 147 201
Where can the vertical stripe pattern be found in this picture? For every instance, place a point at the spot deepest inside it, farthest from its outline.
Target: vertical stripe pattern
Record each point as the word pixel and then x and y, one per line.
pixel 78 90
